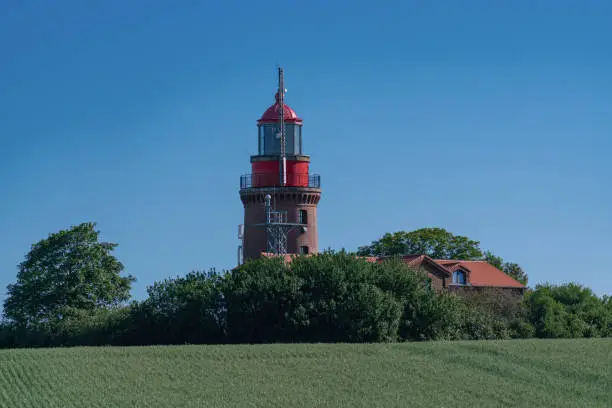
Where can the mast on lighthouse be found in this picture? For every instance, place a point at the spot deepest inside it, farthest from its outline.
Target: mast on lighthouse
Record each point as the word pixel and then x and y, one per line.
pixel 281 126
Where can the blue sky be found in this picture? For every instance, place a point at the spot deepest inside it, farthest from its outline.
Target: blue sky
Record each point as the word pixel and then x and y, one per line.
pixel 489 119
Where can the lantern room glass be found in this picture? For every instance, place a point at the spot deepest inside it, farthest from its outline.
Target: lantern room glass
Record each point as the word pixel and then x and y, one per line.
pixel 269 139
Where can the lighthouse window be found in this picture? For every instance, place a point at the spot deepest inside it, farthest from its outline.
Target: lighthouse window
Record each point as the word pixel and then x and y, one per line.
pixel 269 139
pixel 297 146
pixel 289 139
pixel 271 142
pixel 304 250
pixel 261 140
pixel 303 217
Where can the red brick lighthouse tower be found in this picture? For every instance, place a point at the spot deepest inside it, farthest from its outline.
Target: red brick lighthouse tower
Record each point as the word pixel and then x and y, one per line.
pixel 280 196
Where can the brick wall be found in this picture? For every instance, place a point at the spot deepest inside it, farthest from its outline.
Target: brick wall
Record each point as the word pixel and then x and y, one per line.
pixel 290 199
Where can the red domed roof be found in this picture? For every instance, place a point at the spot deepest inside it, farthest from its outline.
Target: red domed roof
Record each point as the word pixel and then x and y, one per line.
pixel 271 115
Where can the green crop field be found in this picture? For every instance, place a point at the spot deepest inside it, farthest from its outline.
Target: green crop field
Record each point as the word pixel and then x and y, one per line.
pixel 527 373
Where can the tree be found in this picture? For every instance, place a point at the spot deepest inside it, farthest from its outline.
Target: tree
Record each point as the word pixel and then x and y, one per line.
pixel 434 242
pixel 321 298
pixel 569 310
pixel 69 272
pixel 494 260
pixel 185 309
pixel 335 297
pixel 515 271
pixel 509 268
pixel 344 298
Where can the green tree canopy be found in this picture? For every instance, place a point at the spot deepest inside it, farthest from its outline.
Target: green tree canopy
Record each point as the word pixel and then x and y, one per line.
pixel 334 297
pixel 493 259
pixel 68 272
pixel 434 242
pixel 569 310
pixel 186 309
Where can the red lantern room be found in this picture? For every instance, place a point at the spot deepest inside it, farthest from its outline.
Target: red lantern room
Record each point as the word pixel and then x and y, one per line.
pixel 265 165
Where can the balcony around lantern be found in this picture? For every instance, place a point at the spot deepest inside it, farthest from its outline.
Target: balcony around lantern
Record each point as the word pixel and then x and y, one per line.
pixel 272 180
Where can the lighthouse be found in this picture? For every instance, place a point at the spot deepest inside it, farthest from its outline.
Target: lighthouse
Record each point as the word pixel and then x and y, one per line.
pixel 280 195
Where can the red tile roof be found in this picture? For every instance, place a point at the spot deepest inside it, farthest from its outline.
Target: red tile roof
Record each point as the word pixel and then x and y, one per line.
pixel 483 273
pixel 416 261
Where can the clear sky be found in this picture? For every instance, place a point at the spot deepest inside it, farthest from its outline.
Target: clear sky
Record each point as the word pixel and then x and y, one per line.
pixel 491 119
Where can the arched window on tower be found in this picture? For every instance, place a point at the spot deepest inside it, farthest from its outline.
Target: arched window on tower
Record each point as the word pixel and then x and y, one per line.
pixel 459 278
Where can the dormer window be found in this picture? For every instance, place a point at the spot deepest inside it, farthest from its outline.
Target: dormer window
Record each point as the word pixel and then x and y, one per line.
pixel 459 278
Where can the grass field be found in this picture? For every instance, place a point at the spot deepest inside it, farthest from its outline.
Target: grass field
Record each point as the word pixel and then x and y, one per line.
pixel 534 373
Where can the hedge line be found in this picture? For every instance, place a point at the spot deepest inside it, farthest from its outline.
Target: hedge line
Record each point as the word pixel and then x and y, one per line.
pixel 331 297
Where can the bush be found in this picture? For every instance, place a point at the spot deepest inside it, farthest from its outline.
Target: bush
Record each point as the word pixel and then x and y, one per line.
pixel 187 309
pixel 97 328
pixel 520 328
pixel 335 297
pixel 7 335
pixel 568 311
pixel 481 325
pixel 344 300
pixel 322 298
pixel 431 316
pixel 505 305
pixel 493 314
pixel 263 302
pixel 330 297
pixel 76 328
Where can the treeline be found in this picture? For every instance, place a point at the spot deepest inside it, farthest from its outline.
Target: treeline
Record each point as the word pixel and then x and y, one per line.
pixel 331 297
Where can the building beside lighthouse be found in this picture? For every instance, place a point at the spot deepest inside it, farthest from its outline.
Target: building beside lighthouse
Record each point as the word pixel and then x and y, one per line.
pixel 279 195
